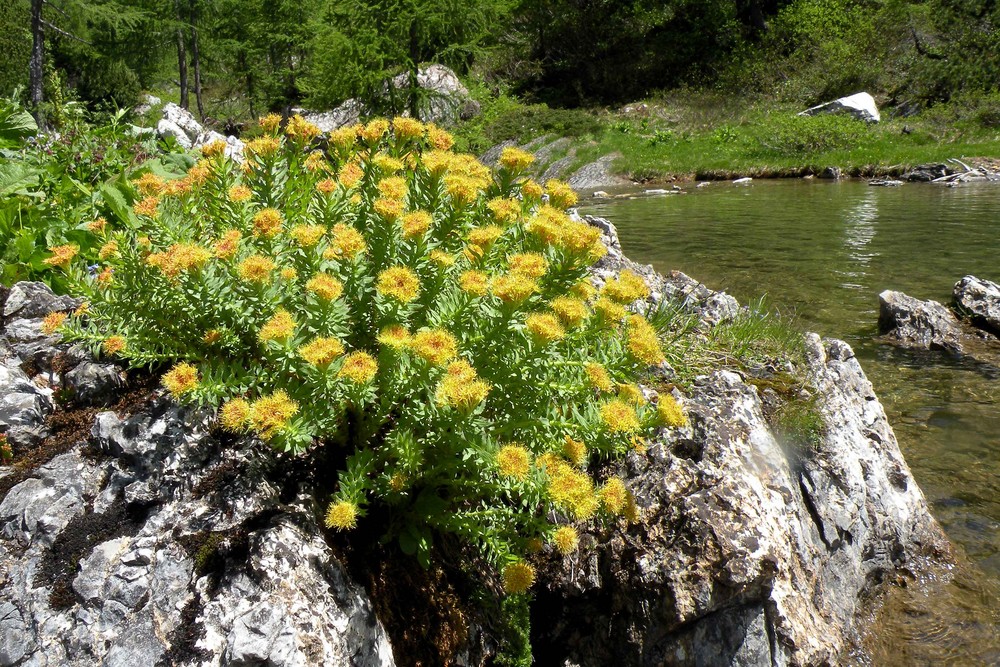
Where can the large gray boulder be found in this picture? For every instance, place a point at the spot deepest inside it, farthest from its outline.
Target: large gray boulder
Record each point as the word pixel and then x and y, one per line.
pixel 979 300
pixel 860 106
pixel 914 323
pixel 181 125
pixel 748 550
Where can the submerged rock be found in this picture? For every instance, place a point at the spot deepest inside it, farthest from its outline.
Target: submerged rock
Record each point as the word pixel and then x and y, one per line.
pixel 914 323
pixel 979 300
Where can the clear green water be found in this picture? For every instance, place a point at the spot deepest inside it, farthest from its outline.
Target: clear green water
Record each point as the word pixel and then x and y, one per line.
pixel 821 252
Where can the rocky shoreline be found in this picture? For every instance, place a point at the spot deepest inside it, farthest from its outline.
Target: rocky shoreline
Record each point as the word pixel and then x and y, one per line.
pixel 150 538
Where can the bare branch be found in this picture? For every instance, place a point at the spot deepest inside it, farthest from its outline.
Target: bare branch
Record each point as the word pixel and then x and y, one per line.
pixel 56 7
pixel 64 33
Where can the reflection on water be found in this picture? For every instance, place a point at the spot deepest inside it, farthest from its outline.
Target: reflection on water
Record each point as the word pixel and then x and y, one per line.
pixel 821 252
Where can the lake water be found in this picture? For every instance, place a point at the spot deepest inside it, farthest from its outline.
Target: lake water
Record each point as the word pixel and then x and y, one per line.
pixel 821 251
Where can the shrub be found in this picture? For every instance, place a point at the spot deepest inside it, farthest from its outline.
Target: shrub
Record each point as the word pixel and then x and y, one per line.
pixel 527 122
pixel 395 302
pixel 797 135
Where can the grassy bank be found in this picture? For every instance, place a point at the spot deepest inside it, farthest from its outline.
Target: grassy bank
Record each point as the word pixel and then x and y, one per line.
pixel 707 135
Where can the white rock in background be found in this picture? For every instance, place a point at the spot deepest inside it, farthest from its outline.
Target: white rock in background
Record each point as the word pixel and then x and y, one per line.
pixel 860 105
pixel 148 102
pixel 180 124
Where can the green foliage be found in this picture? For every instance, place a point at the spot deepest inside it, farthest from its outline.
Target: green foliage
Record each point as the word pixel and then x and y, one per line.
pixel 803 135
pixel 515 630
pixel 53 187
pixel 393 306
pixel 15 45
pixel 527 122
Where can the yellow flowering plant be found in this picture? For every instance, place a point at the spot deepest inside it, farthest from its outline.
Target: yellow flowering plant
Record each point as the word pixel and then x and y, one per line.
pixel 429 317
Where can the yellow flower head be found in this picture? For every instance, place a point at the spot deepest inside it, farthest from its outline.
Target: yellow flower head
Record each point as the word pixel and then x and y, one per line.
pixel 407 128
pixel 300 130
pixel 345 243
pixel 307 235
pixel 181 379
pixel 200 172
pixel 393 187
pixel 62 255
pixel 643 342
pixel 82 309
pixel 270 122
pixel 235 415
pixel 228 245
pixel 560 194
pixel 98 226
pixel 316 162
pixel 582 240
pixel 548 225
pixel 389 209
pixel 256 269
pixel 270 414
pixel 530 264
pixel 517 577
pixel 515 160
pixel 504 211
pixel 395 337
pixel 148 207
pixel 544 327
pixel 435 345
pixel 327 186
pixel 359 367
pixel 240 193
pixel 566 539
pixel 325 286
pixel 342 515
pixel 669 412
pixel 109 249
pixel 514 461
pixel 211 337
pixel 416 224
pixel 374 131
pixel 626 288
pixel 614 496
pixel 350 174
pixel 570 311
pixel 574 450
pixel 105 277
pixel 399 283
pixel 531 190
pixel 598 377
pixel 513 288
pixel 288 273
pixel 280 327
pixel 631 393
pixel 268 222
pixel 386 164
pixel 149 184
pixel 484 237
pixel 475 283
pixel 441 258
pixel 112 345
pixel 213 149
pixel 262 147
pixel 438 138
pixel 321 352
pixel 569 488
pixel 610 310
pixel 463 189
pixel 179 258
pixel 343 137
pixel 52 322
pixel 619 417
pixel 460 388
pixel 437 162
pixel 583 290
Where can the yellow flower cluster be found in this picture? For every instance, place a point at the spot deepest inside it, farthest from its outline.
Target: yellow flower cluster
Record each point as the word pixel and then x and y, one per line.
pixel 395 337
pixel 270 122
pixel 438 138
pixel 544 327
pixel 262 147
pixel 62 255
pixel 300 130
pixel 256 269
pixel 619 417
pixel 345 243
pixel 98 226
pixel 239 193
pixel 359 367
pixel 179 258
pixel 325 286
pixel 342 515
pixel 228 245
pixel 393 187
pixel 517 577
pixel 643 342
pixel 149 184
pixel 235 415
pixel 570 311
pixel 280 327
pixel 515 159
pixel 350 175
pixel 112 345
pixel 109 249
pixel 416 224
pixel 504 211
pixel 390 209
pixel 614 496
pixel 399 283
pixel 632 394
pixel 373 131
pixel 569 488
pixel 514 461
pixel 669 412
pixel 461 388
pixel 626 288
pixel 407 128
pixel 181 379
pixel 321 351
pixel 434 345
pixel 566 539
pixel 475 283
pixel 598 376
pixel 52 322
pixel 214 149
pixel 611 311
pixel 269 414
pixel 554 227
pixel 268 222
pixel 560 194
pixel 530 264
pixel 148 207
pixel 307 235
pixel 574 450
pixel 513 288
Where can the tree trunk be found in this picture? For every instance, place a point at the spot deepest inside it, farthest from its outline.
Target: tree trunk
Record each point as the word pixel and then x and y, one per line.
pixel 249 82
pixel 195 60
pixel 182 67
pixel 412 84
pixel 35 69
